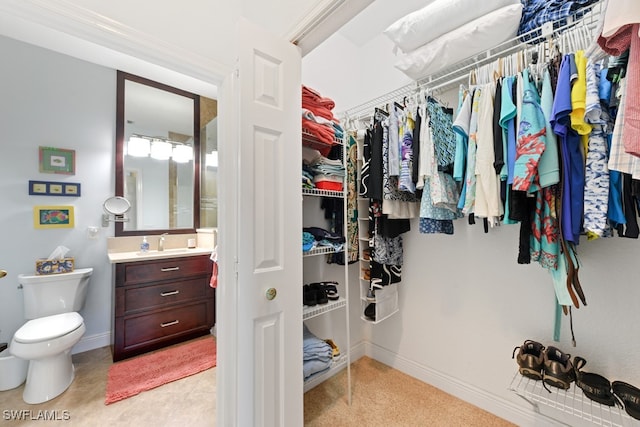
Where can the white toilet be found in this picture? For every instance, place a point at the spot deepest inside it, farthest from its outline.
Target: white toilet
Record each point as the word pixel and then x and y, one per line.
pixel 51 303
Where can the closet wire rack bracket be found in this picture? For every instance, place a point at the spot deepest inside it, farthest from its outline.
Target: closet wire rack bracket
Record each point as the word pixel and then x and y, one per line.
pixel 453 75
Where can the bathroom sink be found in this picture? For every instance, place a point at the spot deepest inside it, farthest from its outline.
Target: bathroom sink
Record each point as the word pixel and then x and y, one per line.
pixel 166 251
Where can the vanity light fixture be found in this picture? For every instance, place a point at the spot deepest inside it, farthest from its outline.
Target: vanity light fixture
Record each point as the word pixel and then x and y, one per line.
pixel 182 153
pixel 161 150
pixel 138 147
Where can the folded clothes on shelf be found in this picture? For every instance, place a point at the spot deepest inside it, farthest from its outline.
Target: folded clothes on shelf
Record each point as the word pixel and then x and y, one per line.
pixel 322 234
pixel 326 238
pixel 317 354
pixel 308 241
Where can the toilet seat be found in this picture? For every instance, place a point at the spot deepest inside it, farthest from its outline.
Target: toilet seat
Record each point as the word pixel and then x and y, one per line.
pixel 50 327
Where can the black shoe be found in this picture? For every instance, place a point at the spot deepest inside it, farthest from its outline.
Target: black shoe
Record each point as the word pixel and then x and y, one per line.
pixel 309 296
pixel 370 311
pixel 331 289
pixel 320 291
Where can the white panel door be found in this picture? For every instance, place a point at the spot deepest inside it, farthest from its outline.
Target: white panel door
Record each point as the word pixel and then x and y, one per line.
pixel 268 332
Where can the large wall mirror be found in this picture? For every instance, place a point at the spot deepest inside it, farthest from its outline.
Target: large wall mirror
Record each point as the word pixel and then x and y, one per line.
pixel 157 156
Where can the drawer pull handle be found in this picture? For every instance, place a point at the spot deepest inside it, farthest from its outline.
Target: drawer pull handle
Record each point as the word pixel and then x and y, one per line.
pixel 170 269
pixel 164 325
pixel 166 294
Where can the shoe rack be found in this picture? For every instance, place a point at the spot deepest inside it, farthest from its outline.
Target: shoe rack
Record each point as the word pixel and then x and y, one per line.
pixel 570 407
pixel 329 320
pixel 385 299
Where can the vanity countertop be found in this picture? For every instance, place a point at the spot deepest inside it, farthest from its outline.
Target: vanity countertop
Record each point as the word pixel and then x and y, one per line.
pixel 126 249
pixel 120 257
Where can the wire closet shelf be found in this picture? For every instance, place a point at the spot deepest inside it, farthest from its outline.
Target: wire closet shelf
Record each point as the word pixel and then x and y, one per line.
pixel 572 403
pixel 453 75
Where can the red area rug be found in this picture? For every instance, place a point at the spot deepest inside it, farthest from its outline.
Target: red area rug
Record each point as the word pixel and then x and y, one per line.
pixel 130 377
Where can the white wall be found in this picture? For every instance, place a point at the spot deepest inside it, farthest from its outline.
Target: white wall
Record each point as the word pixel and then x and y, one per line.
pixel 351 74
pixel 53 100
pixel 465 303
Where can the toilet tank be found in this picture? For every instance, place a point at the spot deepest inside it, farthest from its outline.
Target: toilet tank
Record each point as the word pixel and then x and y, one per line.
pixel 46 295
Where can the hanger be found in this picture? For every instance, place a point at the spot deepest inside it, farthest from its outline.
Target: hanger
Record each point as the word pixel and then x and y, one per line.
pixel 586 36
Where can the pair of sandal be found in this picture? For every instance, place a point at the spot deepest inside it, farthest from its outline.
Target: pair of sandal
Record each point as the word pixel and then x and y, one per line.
pixel 549 364
pixel 599 389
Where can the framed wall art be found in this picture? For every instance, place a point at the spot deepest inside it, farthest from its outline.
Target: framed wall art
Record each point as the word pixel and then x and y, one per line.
pixel 57 160
pixel 53 217
pixel 50 188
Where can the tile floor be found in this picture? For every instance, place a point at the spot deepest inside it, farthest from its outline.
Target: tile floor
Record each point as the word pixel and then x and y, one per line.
pixel 190 401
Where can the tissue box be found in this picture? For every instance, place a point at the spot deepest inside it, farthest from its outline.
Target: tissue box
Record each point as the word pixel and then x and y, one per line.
pixel 54 266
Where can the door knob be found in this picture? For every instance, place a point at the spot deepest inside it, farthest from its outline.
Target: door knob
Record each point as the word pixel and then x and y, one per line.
pixel 271 293
pixel 3 273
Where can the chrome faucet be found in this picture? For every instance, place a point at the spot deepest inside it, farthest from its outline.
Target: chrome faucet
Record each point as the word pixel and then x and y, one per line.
pixel 161 242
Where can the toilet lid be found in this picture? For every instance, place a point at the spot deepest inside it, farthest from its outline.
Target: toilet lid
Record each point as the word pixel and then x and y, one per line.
pixel 46 328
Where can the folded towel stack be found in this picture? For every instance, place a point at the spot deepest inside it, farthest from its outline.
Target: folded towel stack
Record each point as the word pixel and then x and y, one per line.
pixel 318 119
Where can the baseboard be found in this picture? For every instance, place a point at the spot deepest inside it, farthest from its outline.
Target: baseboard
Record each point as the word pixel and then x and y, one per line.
pixel 92 342
pixel 469 393
pixel 359 350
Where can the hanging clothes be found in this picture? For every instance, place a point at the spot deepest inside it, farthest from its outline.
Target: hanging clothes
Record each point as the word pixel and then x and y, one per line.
pixel 470 173
pixel 444 139
pixel 573 171
pixel 417 129
pixel 461 127
pixel 365 166
pixel 488 203
pixel 627 37
pixel 393 159
pixel 397 204
pixel 596 186
pixel 531 139
pixel 549 165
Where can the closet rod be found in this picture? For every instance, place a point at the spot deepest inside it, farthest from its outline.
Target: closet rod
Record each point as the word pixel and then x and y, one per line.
pixel 460 70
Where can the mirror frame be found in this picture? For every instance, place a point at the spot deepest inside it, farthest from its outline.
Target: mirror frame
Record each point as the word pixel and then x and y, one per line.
pixel 122 77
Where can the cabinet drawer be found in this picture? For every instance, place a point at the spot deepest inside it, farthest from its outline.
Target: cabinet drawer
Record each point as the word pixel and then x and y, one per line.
pixel 164 269
pixel 136 298
pixel 161 324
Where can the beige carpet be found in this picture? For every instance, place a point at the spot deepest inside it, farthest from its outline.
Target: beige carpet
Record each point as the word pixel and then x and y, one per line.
pixel 382 396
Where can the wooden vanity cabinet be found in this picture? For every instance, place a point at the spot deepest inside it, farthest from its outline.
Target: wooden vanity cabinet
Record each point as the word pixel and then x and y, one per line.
pixel 161 302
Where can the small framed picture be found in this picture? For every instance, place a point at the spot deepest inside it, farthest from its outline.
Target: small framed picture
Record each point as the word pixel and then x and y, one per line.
pixel 57 160
pixel 53 217
pixel 50 188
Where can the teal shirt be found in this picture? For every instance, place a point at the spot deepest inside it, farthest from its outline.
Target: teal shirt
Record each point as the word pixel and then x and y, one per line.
pixel 549 166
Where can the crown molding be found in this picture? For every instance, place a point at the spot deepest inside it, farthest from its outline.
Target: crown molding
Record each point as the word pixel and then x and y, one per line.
pixel 322 20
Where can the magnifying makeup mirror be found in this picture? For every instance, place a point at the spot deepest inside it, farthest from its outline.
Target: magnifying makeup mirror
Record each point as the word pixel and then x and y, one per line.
pixel 115 209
